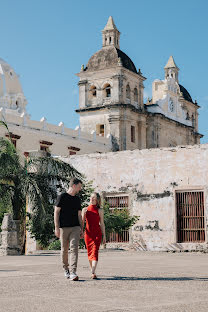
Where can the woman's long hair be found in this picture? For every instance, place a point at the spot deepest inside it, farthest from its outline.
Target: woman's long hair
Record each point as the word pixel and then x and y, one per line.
pixel 98 198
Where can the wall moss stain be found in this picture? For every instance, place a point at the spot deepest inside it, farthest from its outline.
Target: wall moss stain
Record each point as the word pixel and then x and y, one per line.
pixel 143 197
pixel 139 228
pixel 153 226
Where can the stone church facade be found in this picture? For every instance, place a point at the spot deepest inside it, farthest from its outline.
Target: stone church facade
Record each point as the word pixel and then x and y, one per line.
pixel 113 116
pixel 111 101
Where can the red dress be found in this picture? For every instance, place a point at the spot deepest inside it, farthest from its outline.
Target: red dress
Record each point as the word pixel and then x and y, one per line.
pixel 93 234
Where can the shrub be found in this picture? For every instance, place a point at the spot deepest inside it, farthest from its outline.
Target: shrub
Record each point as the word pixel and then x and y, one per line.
pixel 55 245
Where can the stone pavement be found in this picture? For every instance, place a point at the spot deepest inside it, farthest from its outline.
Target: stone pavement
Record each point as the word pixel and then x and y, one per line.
pixel 129 281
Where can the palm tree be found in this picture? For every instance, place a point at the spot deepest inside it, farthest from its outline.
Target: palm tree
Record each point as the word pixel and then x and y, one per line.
pixel 34 181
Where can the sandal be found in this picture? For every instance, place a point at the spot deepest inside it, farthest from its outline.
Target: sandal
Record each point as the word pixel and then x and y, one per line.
pixel 94 276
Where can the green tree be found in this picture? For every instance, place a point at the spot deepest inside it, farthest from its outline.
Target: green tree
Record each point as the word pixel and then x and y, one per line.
pixel 117 220
pixel 34 182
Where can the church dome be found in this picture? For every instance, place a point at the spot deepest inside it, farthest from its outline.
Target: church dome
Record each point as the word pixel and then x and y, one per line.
pixel 108 57
pixel 5 67
pixel 11 94
pixel 185 94
pixel 2 61
pixel 11 83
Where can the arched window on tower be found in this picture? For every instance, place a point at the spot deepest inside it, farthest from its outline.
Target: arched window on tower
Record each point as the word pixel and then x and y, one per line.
pixel 93 91
pixel 193 120
pixel 128 94
pixel 136 96
pixel 107 90
pixel 140 98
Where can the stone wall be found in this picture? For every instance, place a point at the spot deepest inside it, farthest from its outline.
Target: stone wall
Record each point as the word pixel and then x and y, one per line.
pixel 160 133
pixel 9 237
pixel 150 178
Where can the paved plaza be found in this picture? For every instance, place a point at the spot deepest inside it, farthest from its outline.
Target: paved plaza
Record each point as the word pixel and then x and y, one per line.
pixel 128 281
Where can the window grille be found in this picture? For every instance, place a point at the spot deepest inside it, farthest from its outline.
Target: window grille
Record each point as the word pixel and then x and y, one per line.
pixel 118 202
pixel 190 216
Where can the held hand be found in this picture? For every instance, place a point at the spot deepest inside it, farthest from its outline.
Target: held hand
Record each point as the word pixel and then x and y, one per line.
pixel 81 234
pixel 104 240
pixel 57 232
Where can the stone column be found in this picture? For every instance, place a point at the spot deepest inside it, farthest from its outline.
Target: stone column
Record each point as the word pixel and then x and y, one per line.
pixel 9 240
pixel 83 93
pixel 142 141
pixel 114 123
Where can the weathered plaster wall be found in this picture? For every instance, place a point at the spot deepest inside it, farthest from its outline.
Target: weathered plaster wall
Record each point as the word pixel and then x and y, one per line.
pixel 150 178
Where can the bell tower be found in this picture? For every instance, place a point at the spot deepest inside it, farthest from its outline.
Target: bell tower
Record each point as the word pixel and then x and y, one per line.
pixel 12 97
pixel 111 94
pixel 171 69
pixel 111 35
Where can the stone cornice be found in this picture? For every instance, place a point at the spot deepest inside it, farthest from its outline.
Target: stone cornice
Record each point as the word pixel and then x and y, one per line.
pixel 82 82
pixel 120 105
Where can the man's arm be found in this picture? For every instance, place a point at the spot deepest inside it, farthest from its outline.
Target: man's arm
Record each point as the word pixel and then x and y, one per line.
pixel 84 210
pixel 80 222
pixel 56 220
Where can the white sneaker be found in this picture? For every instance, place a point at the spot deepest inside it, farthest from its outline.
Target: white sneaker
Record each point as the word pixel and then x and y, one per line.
pixel 74 277
pixel 67 274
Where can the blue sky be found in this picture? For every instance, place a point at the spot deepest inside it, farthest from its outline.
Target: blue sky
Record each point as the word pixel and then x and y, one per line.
pixel 47 41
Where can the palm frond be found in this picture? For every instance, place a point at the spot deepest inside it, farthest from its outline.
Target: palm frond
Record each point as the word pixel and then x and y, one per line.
pixel 4 124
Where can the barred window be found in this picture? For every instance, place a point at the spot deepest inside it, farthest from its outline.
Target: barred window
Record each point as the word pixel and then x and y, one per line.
pixel 117 202
pixel 190 216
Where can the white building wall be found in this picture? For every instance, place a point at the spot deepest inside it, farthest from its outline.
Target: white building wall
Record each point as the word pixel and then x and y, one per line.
pixel 32 132
pixel 150 178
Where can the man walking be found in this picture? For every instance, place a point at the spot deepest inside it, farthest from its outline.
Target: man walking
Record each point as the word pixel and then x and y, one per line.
pixel 68 226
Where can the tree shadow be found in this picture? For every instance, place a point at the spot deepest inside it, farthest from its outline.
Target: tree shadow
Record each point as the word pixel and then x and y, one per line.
pixel 42 254
pixel 174 279
pixel 8 271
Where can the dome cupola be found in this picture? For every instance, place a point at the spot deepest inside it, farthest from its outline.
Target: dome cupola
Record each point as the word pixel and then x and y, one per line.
pixel 111 35
pixel 11 94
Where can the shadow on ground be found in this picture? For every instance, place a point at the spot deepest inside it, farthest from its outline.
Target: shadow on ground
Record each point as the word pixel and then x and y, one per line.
pixel 126 278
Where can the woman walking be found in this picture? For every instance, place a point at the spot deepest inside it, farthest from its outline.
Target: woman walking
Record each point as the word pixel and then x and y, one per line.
pixel 94 230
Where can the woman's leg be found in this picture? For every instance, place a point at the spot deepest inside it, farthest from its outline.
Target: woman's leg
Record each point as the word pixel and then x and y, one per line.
pixel 94 265
pixel 90 262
